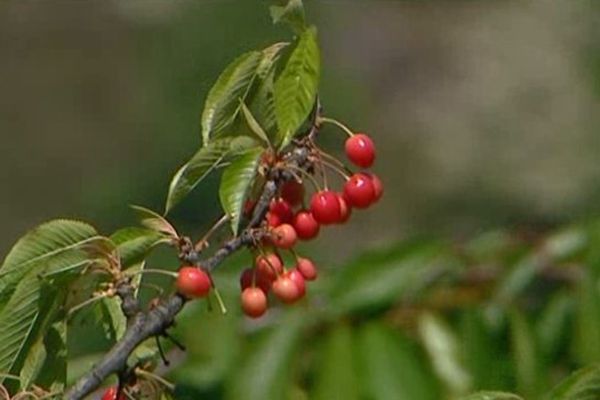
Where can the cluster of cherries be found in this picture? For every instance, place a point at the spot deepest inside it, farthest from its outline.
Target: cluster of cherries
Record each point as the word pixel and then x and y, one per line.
pixel 288 221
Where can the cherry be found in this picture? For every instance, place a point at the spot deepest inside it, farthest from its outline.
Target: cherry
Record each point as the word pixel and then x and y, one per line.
pixel 282 209
pixel 251 277
pixel 360 149
pixel 345 209
pixel 273 220
pixel 307 268
pixel 193 282
pixel 269 266
pixel 306 225
pixel 284 236
pixel 254 302
pixel 249 207
pixel 111 394
pixel 325 207
pixel 359 191
pixel 292 192
pixel 298 279
pixel 286 289
pixel 377 186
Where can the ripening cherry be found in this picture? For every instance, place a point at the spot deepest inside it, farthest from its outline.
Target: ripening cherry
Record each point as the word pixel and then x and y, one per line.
pixel 307 268
pixel 298 279
pixel 325 207
pixel 345 209
pixel 111 394
pixel 254 302
pixel 193 282
pixel 306 225
pixel 292 192
pixel 360 149
pixel 377 186
pixel 359 191
pixel 269 266
pixel 273 220
pixel 284 236
pixel 250 277
pixel 286 289
pixel 282 209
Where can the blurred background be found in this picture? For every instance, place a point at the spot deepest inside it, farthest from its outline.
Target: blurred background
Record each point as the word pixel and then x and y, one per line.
pixel 485 115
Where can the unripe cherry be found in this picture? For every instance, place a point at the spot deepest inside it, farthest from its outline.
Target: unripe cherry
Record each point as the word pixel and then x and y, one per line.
pixel 282 209
pixel 306 225
pixel 325 207
pixel 377 186
pixel 273 220
pixel 193 282
pixel 360 149
pixel 269 266
pixel 298 279
pixel 286 289
pixel 359 191
pixel 307 268
pixel 284 236
pixel 345 209
pixel 254 302
pixel 111 394
pixel 292 192
pixel 250 277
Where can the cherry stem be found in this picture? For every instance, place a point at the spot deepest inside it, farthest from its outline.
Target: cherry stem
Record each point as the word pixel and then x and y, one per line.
pixel 335 168
pixel 9 376
pixel 220 301
pixel 338 124
pixel 161 352
pixel 84 304
pixel 154 271
pixel 156 378
pixel 204 241
pixel 304 173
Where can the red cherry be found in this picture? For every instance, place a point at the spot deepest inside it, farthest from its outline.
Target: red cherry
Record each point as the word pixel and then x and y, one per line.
pixel 307 268
pixel 254 302
pixel 359 191
pixel 377 186
pixel 251 278
pixel 284 236
pixel 193 282
pixel 325 207
pixel 298 279
pixel 249 207
pixel 345 209
pixel 111 394
pixel 282 209
pixel 292 192
pixel 360 149
pixel 269 266
pixel 306 225
pixel 286 289
pixel 273 220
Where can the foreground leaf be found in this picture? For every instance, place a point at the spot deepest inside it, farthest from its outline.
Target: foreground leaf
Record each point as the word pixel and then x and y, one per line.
pixel 134 244
pixel 582 385
pixel 236 182
pixel 492 396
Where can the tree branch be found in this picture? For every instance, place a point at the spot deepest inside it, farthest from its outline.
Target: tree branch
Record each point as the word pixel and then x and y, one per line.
pixel 146 324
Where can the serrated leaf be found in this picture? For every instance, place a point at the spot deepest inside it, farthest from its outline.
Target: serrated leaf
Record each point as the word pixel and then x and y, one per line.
pixel 292 14
pixel 254 125
pixel 134 244
pixel 156 222
pixel 296 87
pixel 492 396
pixel 222 102
pixel 263 106
pixel 196 169
pixel 236 182
pixel 582 385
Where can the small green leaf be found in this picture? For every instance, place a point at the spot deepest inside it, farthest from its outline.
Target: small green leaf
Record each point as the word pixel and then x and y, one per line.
pixel 134 244
pixel 222 102
pixel 254 125
pixel 527 363
pixel 113 315
pixel 292 13
pixel 582 385
pixel 492 396
pixel 296 87
pixel 236 182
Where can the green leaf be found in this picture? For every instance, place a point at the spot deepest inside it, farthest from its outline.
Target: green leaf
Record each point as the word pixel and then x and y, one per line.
pixel 582 385
pixel 337 375
pixel 114 317
pixel 527 363
pixel 553 324
pixel 134 244
pixel 236 182
pixel 297 85
pixel 222 102
pixel 196 169
pixel 492 396
pixel 292 14
pixel 254 125
pixel 392 367
pixel 444 352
